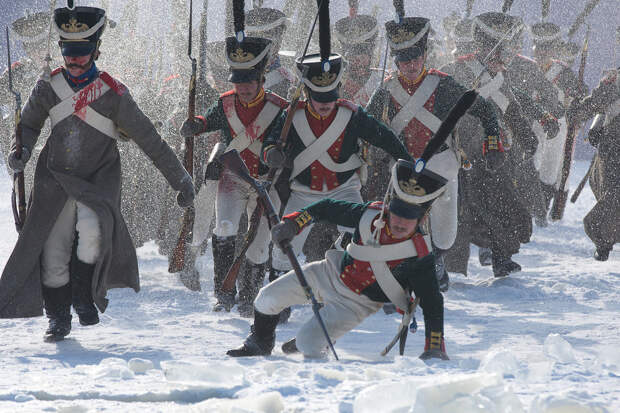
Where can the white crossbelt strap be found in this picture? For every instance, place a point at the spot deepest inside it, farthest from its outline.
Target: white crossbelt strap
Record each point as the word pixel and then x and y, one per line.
pixel 377 258
pixel 490 88
pixel 413 106
pixel 247 137
pixel 78 104
pixel 552 75
pixel 316 148
pixel 612 111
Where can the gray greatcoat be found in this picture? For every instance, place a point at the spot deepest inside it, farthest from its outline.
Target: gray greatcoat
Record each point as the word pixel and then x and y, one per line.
pixel 80 162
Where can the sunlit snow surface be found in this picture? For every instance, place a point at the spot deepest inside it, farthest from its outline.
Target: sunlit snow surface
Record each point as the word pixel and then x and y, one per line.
pixel 543 340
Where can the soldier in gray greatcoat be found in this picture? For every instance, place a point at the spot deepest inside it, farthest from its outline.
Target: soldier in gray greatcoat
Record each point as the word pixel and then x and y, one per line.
pixel 602 223
pixel 74 236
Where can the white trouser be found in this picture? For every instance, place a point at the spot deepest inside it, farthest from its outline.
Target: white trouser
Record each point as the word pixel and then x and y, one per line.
pixel 343 309
pixel 444 211
pixel 301 197
pixel 233 196
pixel 205 207
pixel 549 155
pixel 57 249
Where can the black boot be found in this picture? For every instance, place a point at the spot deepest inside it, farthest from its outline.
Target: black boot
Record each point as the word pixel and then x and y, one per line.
pixel 602 253
pixel 440 270
pixel 286 313
pixel 250 283
pixel 502 265
pixel 57 303
pixel 485 256
pixel 262 339
pixel 223 256
pixel 82 292
pixel 290 347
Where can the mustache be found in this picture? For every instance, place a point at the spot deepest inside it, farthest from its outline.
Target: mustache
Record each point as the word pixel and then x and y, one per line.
pixel 75 65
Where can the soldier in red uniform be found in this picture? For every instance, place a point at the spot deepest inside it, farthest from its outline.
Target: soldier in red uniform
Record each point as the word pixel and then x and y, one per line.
pixel 389 258
pixel 417 99
pixel 244 116
pixel 323 141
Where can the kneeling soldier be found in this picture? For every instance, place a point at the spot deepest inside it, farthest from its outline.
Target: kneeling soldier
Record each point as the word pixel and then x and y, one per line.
pixel 388 259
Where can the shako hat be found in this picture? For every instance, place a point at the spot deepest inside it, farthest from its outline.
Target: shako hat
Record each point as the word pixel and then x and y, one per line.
pixel 357 34
pixel 266 22
pixel 324 70
pixel 491 27
pixel 32 28
pixel 246 56
pixel 80 29
pixel 408 39
pixel 413 193
pixel 546 33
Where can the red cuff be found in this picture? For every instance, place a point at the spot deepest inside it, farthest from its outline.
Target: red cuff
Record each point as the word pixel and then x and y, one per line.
pixel 301 218
pixel 546 118
pixel 204 122
pixel 267 148
pixel 493 143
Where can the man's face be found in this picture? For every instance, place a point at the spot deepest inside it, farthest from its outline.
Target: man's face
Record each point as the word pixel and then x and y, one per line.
pixel 402 227
pixel 323 108
pixel 77 65
pixel 247 91
pixel 359 65
pixel 413 68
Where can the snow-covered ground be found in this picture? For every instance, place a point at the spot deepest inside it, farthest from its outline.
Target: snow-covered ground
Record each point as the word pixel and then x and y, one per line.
pixel 543 340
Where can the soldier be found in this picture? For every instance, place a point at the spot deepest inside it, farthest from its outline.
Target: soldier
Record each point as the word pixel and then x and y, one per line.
pixel 548 51
pixel 271 24
pixel 32 31
pixel 357 35
pixel 602 224
pixel 74 236
pixel 417 99
pixel 350 287
pixel 323 141
pixel 499 215
pixel 244 116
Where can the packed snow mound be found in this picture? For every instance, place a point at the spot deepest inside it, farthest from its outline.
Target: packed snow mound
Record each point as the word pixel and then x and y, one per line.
pixel 271 402
pixel 472 393
pixel 559 349
pixel 226 375
pixel 555 404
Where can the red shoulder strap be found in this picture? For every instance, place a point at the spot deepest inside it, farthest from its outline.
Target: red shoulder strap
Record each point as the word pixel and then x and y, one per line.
pixel 420 245
pixel 276 99
pixel 229 93
pixel 347 104
pixel 437 73
pixel 376 205
pixel 114 84
pixel 56 71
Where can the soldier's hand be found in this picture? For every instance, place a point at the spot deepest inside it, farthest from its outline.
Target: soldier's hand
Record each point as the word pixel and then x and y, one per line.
pixel 494 160
pixel 18 164
pixel 187 193
pixel 191 127
pixel 283 232
pixel 274 157
pixel 551 126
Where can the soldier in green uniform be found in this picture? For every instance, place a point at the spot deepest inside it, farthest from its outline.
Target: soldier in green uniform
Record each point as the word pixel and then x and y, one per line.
pixel 388 259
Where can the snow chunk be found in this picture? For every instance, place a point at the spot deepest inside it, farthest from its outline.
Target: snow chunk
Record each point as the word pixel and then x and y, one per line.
pixel 22 398
pixel 140 366
pixel 114 368
pixel 221 374
pixel 271 402
pixel 553 404
pixel 557 348
pixel 480 392
pixel 501 362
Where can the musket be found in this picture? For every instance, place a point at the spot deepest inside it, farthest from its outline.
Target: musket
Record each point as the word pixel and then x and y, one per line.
pixel 235 164
pixel 468 8
pixel 254 222
pixel 561 194
pixel 507 6
pixel 18 196
pixel 581 18
pixel 546 5
pixel 177 261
